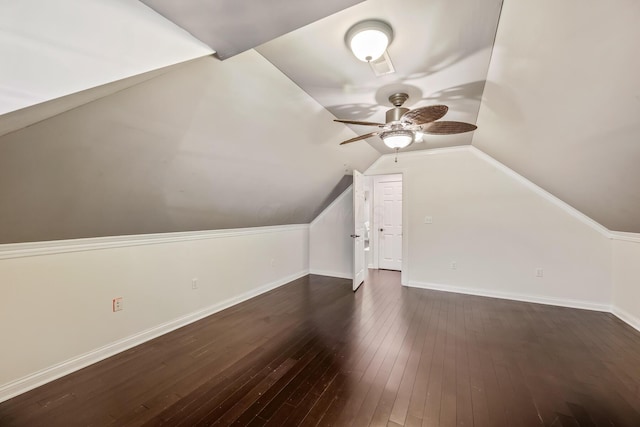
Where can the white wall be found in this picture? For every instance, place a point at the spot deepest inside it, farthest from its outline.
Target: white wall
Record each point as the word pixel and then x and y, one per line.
pixel 55 310
pixel 626 280
pixel 498 229
pixel 330 247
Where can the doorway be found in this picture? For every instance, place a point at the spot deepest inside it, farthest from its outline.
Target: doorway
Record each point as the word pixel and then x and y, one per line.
pixel 386 222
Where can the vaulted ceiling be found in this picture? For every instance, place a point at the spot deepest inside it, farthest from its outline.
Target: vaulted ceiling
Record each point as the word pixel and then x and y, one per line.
pixel 441 51
pixel 118 121
pixel 562 104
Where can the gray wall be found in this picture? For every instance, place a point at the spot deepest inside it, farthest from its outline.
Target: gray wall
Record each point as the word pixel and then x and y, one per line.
pixel 209 145
pixel 562 103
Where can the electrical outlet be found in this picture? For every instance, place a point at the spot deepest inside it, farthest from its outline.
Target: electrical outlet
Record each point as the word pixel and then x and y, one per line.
pixel 117 304
pixel 428 219
pixel 454 265
pixel 539 272
pixel 273 262
pixel 194 283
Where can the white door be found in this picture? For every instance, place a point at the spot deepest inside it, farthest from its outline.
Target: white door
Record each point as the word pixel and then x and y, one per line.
pixel 358 230
pixel 389 208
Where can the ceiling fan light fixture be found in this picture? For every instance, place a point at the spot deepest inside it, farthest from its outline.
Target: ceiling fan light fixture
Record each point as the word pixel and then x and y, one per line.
pixel 368 40
pixel 397 139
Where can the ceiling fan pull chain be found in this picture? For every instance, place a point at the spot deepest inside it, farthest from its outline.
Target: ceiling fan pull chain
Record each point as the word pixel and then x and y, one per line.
pixel 397 149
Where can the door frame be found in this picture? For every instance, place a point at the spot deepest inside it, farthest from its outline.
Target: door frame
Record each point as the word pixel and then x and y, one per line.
pixel 358 229
pixel 374 239
pixel 406 226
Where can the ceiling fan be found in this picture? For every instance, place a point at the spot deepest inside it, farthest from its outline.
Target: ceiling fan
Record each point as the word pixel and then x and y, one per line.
pixel 402 124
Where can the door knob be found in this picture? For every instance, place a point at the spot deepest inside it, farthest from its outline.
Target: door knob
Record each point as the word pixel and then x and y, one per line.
pixel 382 229
pixel 355 236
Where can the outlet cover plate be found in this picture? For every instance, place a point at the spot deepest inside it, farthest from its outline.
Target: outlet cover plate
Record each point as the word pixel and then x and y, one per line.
pixel 117 304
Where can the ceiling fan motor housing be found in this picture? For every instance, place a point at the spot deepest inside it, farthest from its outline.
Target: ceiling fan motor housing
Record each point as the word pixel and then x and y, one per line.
pixel 394 114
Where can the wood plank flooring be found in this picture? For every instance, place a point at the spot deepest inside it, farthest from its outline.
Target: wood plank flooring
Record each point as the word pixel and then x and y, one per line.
pixel 314 353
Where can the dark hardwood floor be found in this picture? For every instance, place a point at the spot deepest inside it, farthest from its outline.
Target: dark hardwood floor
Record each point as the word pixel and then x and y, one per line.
pixel 314 353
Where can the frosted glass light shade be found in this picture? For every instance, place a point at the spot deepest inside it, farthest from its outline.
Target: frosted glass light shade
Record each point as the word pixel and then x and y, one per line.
pixel 397 139
pixel 369 45
pixel 368 40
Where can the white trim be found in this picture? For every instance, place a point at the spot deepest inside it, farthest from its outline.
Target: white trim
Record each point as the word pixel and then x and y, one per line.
pixel 340 275
pixel 17 250
pixel 626 317
pixel 331 205
pixel 374 238
pixel 613 235
pixel 495 163
pixel 541 192
pixel 29 382
pixel 625 237
pixel 406 227
pixel 585 305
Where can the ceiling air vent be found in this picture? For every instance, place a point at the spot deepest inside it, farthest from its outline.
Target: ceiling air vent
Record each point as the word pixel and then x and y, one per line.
pixel 383 65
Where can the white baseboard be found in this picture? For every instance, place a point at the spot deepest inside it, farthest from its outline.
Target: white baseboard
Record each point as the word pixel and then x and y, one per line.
pixel 22 385
pixel 585 305
pixel 626 317
pixel 29 382
pixel 338 274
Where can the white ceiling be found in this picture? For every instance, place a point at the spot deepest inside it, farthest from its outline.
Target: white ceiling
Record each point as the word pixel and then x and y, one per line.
pixel 234 26
pixel 51 49
pixel 441 52
pixel 18 119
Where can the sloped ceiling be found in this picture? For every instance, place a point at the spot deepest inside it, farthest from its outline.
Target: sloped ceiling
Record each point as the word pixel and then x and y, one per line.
pixel 562 103
pixel 209 145
pixel 206 145
pixel 250 140
pixel 441 52
pixel 234 26
pixel 51 49
pixel 24 117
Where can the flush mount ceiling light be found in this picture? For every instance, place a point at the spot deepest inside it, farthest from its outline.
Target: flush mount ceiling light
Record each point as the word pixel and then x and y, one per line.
pixel 368 40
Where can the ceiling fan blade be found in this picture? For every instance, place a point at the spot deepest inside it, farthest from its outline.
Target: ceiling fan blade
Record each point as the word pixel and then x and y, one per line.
pixel 358 138
pixel 356 122
pixel 423 115
pixel 447 128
